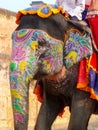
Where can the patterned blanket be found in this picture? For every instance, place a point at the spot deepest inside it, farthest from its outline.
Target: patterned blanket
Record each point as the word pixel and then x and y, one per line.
pixel 42 10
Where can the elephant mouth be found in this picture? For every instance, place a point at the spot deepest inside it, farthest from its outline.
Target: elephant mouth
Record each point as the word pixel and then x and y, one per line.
pixel 58 76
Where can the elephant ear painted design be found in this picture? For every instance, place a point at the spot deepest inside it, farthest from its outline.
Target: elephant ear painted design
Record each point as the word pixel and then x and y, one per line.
pixel 78 46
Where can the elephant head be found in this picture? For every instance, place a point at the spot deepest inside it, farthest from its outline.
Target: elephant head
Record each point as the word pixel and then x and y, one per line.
pixel 40 48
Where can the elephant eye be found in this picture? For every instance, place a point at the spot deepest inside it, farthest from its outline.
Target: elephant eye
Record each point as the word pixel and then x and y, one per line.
pixel 42 42
pixel 33 38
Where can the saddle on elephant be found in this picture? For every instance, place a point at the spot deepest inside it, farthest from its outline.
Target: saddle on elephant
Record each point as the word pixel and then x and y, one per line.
pixel 88 72
pixel 42 10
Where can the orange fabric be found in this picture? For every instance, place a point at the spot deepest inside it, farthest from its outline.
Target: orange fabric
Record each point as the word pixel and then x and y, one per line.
pixel 93 95
pixel 38 92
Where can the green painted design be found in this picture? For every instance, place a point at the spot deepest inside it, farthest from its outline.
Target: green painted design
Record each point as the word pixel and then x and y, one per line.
pixel 12 66
pixel 22 78
pixel 33 59
pixel 28 43
pixel 17 107
pixel 84 43
pixel 30 64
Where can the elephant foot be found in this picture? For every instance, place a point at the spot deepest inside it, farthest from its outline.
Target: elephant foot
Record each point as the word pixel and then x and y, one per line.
pixel 18 125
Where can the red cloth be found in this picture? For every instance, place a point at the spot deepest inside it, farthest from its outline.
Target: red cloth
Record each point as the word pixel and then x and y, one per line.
pixel 84 80
pixel 94 28
pixel 94 62
pixel 83 75
pixel 87 6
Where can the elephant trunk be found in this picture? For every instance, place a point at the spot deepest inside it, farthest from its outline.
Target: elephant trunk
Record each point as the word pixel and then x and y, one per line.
pixel 33 51
pixel 23 67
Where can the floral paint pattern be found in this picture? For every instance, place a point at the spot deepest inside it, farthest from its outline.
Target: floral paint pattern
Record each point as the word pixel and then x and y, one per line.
pixel 77 47
pixel 32 50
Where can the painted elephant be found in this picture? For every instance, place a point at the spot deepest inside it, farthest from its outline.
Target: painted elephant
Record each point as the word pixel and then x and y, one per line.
pixel 39 52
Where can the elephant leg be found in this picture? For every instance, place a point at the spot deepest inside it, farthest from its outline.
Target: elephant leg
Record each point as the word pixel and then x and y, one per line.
pixel 49 110
pixel 81 110
pixel 19 93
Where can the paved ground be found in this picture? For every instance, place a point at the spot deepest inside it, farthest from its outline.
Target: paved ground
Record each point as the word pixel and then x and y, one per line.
pixel 62 123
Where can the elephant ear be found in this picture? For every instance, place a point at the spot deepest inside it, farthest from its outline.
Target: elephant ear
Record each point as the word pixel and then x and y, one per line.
pixel 77 46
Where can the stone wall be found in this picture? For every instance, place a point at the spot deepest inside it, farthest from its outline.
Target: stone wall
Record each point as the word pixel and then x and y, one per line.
pixel 7 26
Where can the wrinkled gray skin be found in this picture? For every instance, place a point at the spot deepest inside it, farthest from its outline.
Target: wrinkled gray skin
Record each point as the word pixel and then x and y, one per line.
pixel 64 93
pixel 57 94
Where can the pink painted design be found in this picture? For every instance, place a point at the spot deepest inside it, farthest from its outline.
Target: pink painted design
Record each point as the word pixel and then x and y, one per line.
pixel 18 53
pixel 18 117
